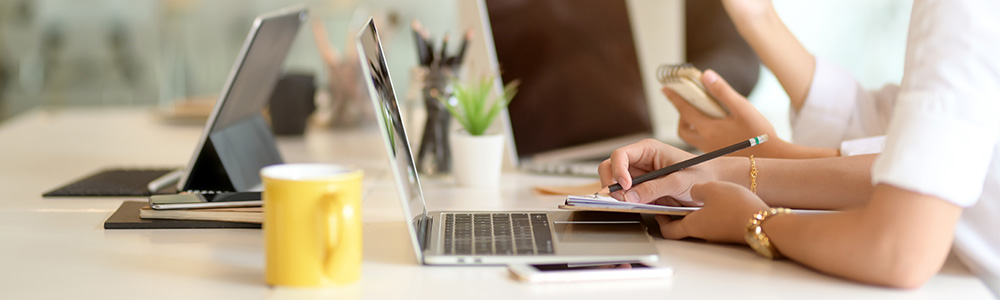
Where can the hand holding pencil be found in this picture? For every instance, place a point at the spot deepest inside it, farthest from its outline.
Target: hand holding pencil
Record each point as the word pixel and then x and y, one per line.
pixel 655 160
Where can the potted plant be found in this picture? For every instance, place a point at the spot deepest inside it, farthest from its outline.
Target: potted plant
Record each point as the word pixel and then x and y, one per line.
pixel 477 154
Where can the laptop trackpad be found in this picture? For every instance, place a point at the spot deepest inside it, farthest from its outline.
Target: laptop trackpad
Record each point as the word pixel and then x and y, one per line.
pixel 592 237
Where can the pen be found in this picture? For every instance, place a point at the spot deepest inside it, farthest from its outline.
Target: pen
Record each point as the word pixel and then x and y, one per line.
pixel 690 162
pixel 165 180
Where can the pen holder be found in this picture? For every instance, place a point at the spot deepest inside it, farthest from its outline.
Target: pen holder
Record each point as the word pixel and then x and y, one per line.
pixel 434 156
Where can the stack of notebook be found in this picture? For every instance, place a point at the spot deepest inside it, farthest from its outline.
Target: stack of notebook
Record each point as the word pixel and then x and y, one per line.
pixel 138 215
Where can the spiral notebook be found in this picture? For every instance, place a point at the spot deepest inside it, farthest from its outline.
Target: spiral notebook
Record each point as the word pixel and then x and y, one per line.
pixel 685 80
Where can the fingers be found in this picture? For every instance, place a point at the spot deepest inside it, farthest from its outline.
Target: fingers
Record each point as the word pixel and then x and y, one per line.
pixel 604 171
pixel 624 158
pixel 687 132
pixel 722 91
pixel 671 229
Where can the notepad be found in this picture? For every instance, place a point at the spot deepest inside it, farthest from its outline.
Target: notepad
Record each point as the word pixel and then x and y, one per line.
pixel 229 214
pixel 601 203
pixel 685 80
pixel 608 204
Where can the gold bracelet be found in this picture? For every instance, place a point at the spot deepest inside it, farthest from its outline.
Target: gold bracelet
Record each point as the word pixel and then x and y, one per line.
pixel 755 236
pixel 753 175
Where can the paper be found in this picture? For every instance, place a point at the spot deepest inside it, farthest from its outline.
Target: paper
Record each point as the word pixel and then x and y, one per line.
pixel 602 203
pixel 589 188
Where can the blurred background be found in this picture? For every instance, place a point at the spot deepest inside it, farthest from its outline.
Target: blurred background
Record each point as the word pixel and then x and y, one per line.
pixel 99 53
pixel 107 53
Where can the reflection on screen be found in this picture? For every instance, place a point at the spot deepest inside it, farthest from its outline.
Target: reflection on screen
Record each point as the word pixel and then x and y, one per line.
pixel 391 122
pixel 571 267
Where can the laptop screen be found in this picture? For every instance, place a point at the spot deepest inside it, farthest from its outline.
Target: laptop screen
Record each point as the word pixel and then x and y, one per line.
pixel 390 123
pixel 579 72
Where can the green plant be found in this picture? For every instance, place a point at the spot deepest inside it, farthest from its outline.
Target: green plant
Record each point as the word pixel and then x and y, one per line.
pixel 474 104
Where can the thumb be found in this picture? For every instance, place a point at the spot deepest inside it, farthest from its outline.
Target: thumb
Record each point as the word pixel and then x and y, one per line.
pixel 648 191
pixel 722 91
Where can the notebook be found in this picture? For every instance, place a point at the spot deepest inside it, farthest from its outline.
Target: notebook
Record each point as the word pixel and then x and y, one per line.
pixel 127 217
pixel 489 237
pixel 608 204
pixel 685 80
pixel 229 214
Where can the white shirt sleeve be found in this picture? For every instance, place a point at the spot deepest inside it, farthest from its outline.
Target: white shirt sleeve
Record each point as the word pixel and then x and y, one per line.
pixel 838 109
pixel 946 125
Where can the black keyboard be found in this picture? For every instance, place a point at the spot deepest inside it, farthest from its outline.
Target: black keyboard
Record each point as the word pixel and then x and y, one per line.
pixel 114 182
pixel 497 234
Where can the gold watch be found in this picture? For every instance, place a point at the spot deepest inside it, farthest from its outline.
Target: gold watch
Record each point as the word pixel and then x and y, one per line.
pixel 755 236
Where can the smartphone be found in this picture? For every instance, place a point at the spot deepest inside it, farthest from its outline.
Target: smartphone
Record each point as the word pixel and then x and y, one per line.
pixel 185 201
pixel 590 271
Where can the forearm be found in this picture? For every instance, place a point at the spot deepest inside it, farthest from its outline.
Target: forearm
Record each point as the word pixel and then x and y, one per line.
pixel 780 51
pixel 826 183
pixel 778 148
pixel 901 239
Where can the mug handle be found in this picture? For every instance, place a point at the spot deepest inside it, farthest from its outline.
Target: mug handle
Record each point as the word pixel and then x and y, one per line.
pixel 335 208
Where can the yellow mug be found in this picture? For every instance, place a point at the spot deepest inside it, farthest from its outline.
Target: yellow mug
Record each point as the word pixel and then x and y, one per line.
pixel 312 224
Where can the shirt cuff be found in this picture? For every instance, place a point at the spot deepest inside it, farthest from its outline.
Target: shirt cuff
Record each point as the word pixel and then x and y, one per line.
pixel 862 146
pixel 933 152
pixel 826 112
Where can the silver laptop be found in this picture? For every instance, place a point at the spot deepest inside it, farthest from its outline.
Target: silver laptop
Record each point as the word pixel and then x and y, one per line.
pixel 578 60
pixel 490 237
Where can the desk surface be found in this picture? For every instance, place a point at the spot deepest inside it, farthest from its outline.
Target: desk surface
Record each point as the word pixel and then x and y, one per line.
pixel 56 247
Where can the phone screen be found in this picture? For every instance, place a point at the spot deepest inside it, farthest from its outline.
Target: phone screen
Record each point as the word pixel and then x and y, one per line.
pixel 573 267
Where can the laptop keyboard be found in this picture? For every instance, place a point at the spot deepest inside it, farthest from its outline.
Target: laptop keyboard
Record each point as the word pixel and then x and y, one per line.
pixel 497 234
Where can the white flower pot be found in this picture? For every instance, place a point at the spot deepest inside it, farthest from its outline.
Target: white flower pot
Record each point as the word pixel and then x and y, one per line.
pixel 476 160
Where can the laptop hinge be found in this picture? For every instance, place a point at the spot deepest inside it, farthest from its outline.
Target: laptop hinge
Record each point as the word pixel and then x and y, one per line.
pixel 424 223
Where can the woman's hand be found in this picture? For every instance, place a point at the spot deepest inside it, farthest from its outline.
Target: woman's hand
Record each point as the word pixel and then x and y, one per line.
pixel 727 209
pixel 743 122
pixel 649 155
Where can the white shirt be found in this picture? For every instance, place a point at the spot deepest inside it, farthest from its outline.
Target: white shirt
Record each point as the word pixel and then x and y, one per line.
pixel 838 112
pixel 942 125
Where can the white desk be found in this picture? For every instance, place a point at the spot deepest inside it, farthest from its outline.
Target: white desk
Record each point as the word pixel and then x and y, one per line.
pixel 55 248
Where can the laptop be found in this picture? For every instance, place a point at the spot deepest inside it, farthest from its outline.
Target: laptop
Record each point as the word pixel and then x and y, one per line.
pixel 578 60
pixel 490 237
pixel 237 140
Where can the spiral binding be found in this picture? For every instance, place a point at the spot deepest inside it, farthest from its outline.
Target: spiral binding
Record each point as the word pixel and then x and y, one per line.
pixel 670 73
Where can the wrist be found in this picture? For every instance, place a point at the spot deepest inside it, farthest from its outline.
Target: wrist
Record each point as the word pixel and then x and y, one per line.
pixel 734 169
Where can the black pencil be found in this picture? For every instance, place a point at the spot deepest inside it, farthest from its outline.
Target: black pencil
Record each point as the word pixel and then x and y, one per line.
pixel 457 60
pixel 691 162
pixel 419 41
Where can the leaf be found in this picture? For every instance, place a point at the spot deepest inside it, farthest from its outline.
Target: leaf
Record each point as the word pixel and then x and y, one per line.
pixel 474 108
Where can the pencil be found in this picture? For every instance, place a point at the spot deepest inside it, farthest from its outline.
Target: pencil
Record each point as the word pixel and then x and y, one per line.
pixel 422 52
pixel 691 162
pixel 457 60
pixel 444 51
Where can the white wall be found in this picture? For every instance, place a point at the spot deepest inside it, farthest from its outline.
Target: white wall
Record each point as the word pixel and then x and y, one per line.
pixel 868 38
